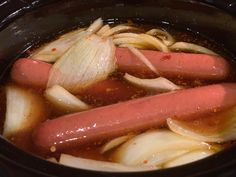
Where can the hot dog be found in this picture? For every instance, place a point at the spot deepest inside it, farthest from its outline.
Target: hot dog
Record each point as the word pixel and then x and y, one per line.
pixel 196 66
pixel 182 65
pixel 134 115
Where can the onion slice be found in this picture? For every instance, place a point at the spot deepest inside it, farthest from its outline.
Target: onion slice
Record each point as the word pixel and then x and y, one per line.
pixel 95 26
pixel 159 84
pixel 95 165
pixel 163 35
pixel 219 128
pixel 119 29
pixel 189 157
pixel 90 60
pixel 143 59
pixel 155 42
pixel 189 47
pixel 103 30
pixel 52 51
pixel 24 111
pixel 114 143
pixel 140 39
pixel 141 148
pixel 64 100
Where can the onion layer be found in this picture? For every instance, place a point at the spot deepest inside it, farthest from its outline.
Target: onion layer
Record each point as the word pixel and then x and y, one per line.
pixel 95 165
pixel 159 84
pixel 219 128
pixel 25 110
pixel 189 157
pixel 90 60
pixel 64 100
pixel 189 47
pixel 54 50
pixel 148 148
pixel 114 143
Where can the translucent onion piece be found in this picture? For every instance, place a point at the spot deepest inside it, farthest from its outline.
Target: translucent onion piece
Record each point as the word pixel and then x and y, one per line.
pixel 95 165
pixel 143 59
pixel 165 156
pixel 146 40
pixel 128 38
pixel 220 128
pixel 52 51
pixel 133 45
pixel 64 100
pixel 103 30
pixel 120 29
pixel 159 84
pixel 137 150
pixel 189 47
pixel 158 44
pixel 163 35
pixel 95 26
pixel 90 60
pixel 114 143
pixel 24 110
pixel 126 35
pixel 189 157
pixel 131 42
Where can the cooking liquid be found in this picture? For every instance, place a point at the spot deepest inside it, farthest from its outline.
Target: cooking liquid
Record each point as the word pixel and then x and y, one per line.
pixel 110 96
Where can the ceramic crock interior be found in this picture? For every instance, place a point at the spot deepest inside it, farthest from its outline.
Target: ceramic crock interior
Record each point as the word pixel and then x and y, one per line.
pixel 42 24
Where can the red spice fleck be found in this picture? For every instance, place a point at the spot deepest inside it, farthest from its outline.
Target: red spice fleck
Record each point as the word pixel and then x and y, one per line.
pixel 145 161
pixel 166 57
pixel 54 49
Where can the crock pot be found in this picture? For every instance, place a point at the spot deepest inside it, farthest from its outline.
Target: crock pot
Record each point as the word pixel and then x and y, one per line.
pixel 27 23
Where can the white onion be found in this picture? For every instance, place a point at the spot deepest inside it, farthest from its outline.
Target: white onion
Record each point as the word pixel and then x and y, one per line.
pixel 90 60
pixel 143 59
pixel 88 164
pixel 24 110
pixel 163 35
pixel 140 39
pixel 114 143
pixel 139 149
pixel 155 42
pixel 119 29
pixel 159 159
pixel 224 130
pixel 52 51
pixel 103 30
pixel 184 46
pixel 64 100
pixel 133 45
pixel 189 157
pixel 95 26
pixel 159 84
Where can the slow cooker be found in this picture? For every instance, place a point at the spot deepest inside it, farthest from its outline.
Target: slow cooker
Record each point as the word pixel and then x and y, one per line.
pixel 27 23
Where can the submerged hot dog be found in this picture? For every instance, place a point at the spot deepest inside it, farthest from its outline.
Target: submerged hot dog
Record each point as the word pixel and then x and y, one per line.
pixel 181 65
pixel 198 66
pixel 30 72
pixel 140 114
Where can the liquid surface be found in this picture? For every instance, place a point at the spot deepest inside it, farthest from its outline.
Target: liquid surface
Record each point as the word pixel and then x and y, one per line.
pixel 110 96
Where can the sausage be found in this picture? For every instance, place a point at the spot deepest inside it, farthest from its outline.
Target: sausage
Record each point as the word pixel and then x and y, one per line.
pixel 35 73
pixel 181 65
pixel 30 72
pixel 196 66
pixel 140 114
